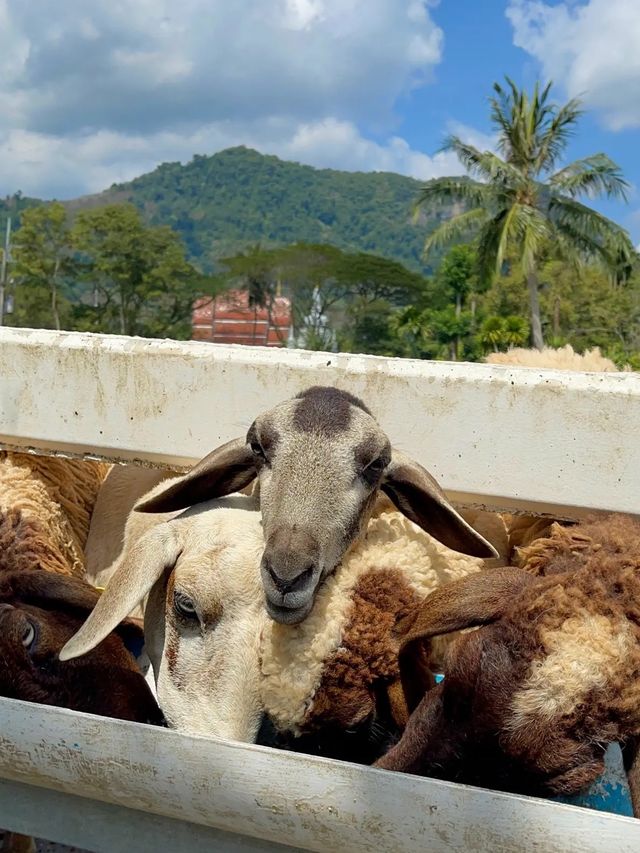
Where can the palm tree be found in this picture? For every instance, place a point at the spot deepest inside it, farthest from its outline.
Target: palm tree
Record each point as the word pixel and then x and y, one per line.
pixel 518 202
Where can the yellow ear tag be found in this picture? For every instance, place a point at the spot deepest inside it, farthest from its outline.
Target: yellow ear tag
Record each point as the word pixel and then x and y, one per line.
pixel 99 589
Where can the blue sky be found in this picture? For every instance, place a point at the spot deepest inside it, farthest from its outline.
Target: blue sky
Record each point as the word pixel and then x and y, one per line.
pixel 97 91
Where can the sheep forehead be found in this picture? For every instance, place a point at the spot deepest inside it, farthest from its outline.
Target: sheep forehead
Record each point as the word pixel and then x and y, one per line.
pixel 337 426
pixel 220 556
pixel 586 653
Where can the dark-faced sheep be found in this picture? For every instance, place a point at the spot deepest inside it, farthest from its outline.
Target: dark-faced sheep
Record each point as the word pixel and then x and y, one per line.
pixel 39 612
pixel 530 701
pixel 321 461
pixel 45 509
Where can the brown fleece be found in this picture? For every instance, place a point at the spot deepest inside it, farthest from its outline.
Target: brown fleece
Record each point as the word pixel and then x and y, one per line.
pixel 567 548
pixel 24 544
pixel 57 493
pixel 367 658
pixel 72 484
pixel 529 701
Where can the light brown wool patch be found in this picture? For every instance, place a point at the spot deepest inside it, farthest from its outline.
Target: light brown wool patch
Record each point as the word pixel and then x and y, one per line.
pixel 583 655
pixel 59 495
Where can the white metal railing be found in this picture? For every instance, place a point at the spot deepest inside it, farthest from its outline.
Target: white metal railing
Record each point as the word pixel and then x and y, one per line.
pixel 502 437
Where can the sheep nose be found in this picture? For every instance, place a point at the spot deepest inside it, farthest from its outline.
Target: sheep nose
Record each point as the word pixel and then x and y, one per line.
pixel 290 560
pixel 290 584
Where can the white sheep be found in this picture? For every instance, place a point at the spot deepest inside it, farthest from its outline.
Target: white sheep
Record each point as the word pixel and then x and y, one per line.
pixel 200 572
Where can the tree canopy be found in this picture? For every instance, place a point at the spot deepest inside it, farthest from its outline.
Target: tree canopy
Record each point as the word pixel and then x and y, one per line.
pixel 522 199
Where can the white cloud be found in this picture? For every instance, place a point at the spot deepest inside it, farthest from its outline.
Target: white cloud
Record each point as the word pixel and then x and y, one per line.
pixel 138 65
pixel 96 91
pixel 56 166
pixel 592 48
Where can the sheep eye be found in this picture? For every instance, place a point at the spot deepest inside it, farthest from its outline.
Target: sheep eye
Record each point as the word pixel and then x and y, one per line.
pixel 28 636
pixel 256 449
pixel 184 606
pixel 372 472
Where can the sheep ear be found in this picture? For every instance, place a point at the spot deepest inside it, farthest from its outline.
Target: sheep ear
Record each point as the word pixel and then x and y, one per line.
pixel 138 569
pixel 227 469
pixel 417 494
pixel 48 588
pixel 427 726
pixel 474 600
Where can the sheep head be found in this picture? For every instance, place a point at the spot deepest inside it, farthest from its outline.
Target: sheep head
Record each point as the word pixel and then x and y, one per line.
pixel 203 616
pixel 321 460
pixel 39 612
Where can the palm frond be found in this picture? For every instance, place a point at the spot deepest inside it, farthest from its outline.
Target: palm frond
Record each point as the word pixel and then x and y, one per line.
pixel 484 164
pixel 453 190
pixel 456 229
pixel 556 134
pixel 591 231
pixel 592 176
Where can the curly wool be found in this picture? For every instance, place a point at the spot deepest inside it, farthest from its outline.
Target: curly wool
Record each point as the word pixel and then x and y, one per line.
pixel 583 634
pixel 59 495
pixel 296 659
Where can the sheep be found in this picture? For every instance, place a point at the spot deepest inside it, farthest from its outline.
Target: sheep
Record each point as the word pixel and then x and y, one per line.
pixel 529 700
pixel 321 461
pixel 335 685
pixel 208 559
pixel 45 510
pixel 39 612
pixel 200 572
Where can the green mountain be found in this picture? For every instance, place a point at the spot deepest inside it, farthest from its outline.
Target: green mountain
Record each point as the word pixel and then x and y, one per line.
pixel 222 203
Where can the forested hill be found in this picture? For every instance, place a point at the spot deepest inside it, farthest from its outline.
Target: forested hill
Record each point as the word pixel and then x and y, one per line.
pixel 222 203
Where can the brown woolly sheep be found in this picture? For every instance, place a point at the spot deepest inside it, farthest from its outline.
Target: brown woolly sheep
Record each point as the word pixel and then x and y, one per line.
pixel 335 685
pixel 45 511
pixel 39 612
pixel 530 700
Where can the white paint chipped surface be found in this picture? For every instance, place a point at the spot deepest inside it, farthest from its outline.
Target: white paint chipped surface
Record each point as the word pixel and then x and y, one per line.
pixel 493 435
pixel 309 803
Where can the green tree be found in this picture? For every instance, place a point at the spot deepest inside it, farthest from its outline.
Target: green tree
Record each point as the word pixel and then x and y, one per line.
pixel 501 333
pixel 329 289
pixel 43 258
pixel 139 280
pixel 518 201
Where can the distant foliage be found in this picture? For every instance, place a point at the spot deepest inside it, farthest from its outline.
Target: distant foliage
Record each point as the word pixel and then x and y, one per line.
pixel 221 204
pixel 526 198
pixel 109 272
